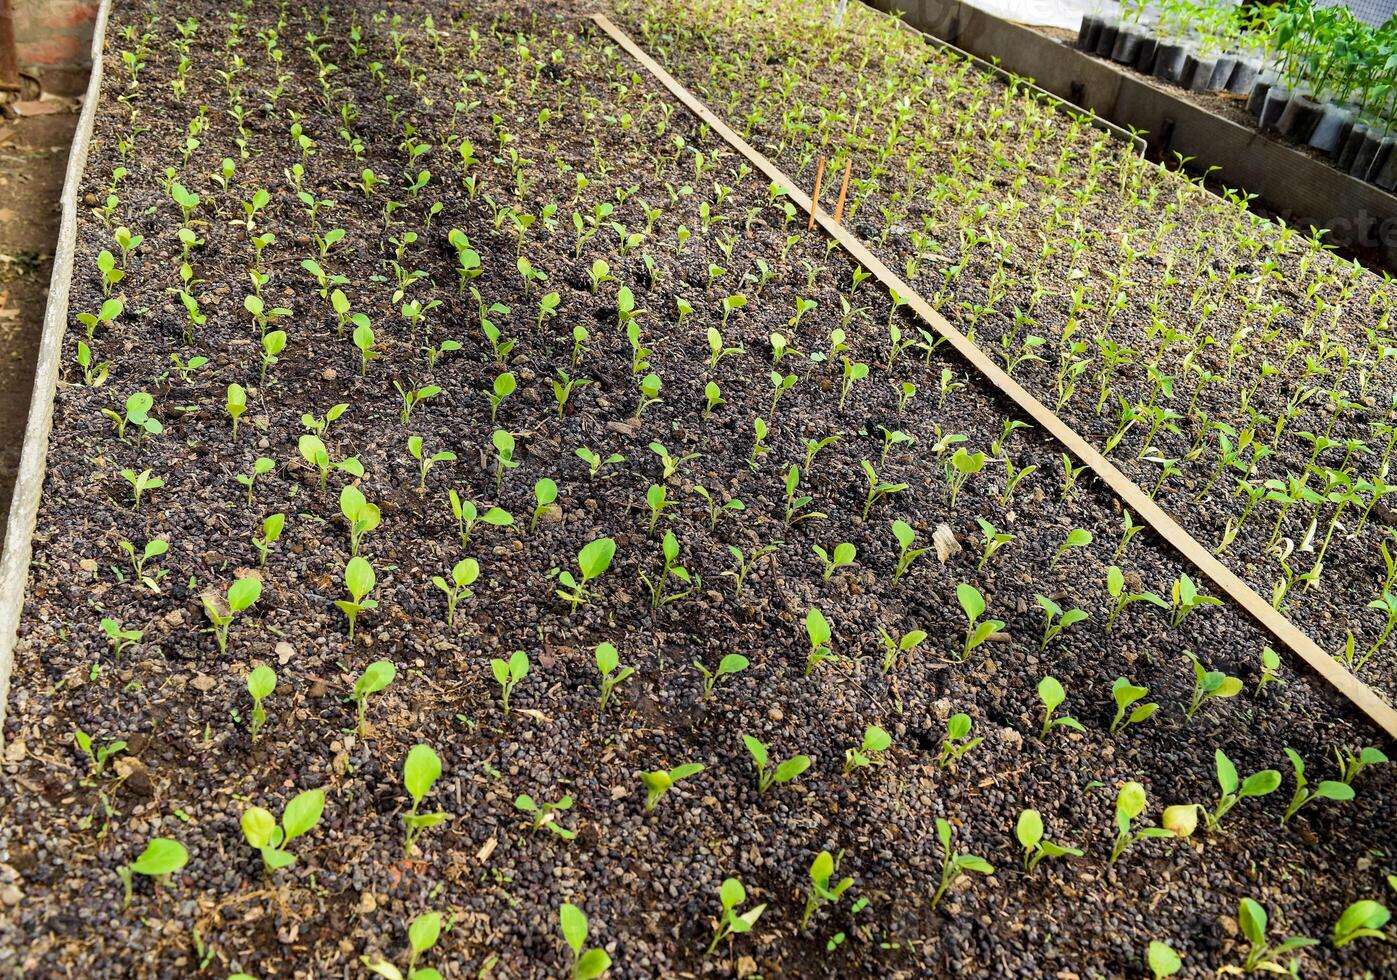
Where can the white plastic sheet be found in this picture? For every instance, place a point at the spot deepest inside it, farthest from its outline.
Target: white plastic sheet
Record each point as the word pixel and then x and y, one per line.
pixel 1042 13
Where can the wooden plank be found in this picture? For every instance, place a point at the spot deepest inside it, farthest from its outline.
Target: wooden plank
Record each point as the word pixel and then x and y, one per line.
pixel 1132 496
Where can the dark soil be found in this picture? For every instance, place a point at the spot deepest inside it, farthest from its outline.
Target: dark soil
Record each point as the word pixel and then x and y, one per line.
pixel 647 880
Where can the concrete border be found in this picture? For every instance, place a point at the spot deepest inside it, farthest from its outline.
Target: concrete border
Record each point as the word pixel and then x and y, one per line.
pixel 1303 189
pixel 29 482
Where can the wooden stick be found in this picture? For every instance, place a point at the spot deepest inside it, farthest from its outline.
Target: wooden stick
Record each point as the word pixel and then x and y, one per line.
pixel 1227 581
pixel 815 198
pixel 843 192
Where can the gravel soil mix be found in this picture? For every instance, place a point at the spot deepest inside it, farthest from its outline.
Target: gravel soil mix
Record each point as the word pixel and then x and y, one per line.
pixel 556 122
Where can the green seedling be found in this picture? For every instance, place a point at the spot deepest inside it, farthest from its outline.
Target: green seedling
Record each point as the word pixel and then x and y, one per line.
pixel 1076 538
pixel 1131 801
pixel 504 455
pixel 152 549
pixel 843 556
pixel 894 647
pixel 731 894
pixel 563 387
pixel 1120 598
pixel 1351 764
pixel 906 553
pixel 261 682
pixel 508 673
pixel 104 317
pixel 1162 961
pixel 468 515
pixel 546 814
pixel 817 628
pixel 503 387
pixel 715 509
pixel 656 502
pixel 1052 695
pixel 272 526
pixel 659 782
pixel 963 466
pixel 745 561
pixel 376 676
pixel 269 838
pixel 608 660
pixel 136 414
pixel 1234 789
pixel 119 638
pixel 422 935
pixel 592 561
pixel 313 451
pixel 1328 789
pixel 877 489
pixel 362 516
pixel 161 856
pixel 111 275
pixel 732 663
pixel 1270 670
pixel 319 425
pixel 972 603
pixel 650 387
pixel 670 568
pixel 1029 831
pixel 955 864
pixel 425 462
pixel 545 496
pixel 957 743
pixel 260 467
pixel 595 462
pixel 1126 694
pixel 870 752
pixel 421 769
pixel 795 504
pixel 1187 599
pixel 1363 919
pixel 463 576
pixel 364 340
pixel 1262 956
pixel 587 964
pixel 712 398
pixel 221 609
pixel 94 374
pixel 853 371
pixel 359 579
pixel 783 773
pixel 97 757
pixel 823 889
pixel 273 344
pixel 994 540
pixel 1208 684
pixel 140 483
pixel 1057 619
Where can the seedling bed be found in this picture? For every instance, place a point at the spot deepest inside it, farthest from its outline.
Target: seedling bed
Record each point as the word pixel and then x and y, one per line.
pixel 697 226
pixel 1155 282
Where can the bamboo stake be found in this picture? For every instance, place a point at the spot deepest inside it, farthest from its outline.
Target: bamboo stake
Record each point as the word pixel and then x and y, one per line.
pixel 815 198
pixel 843 192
